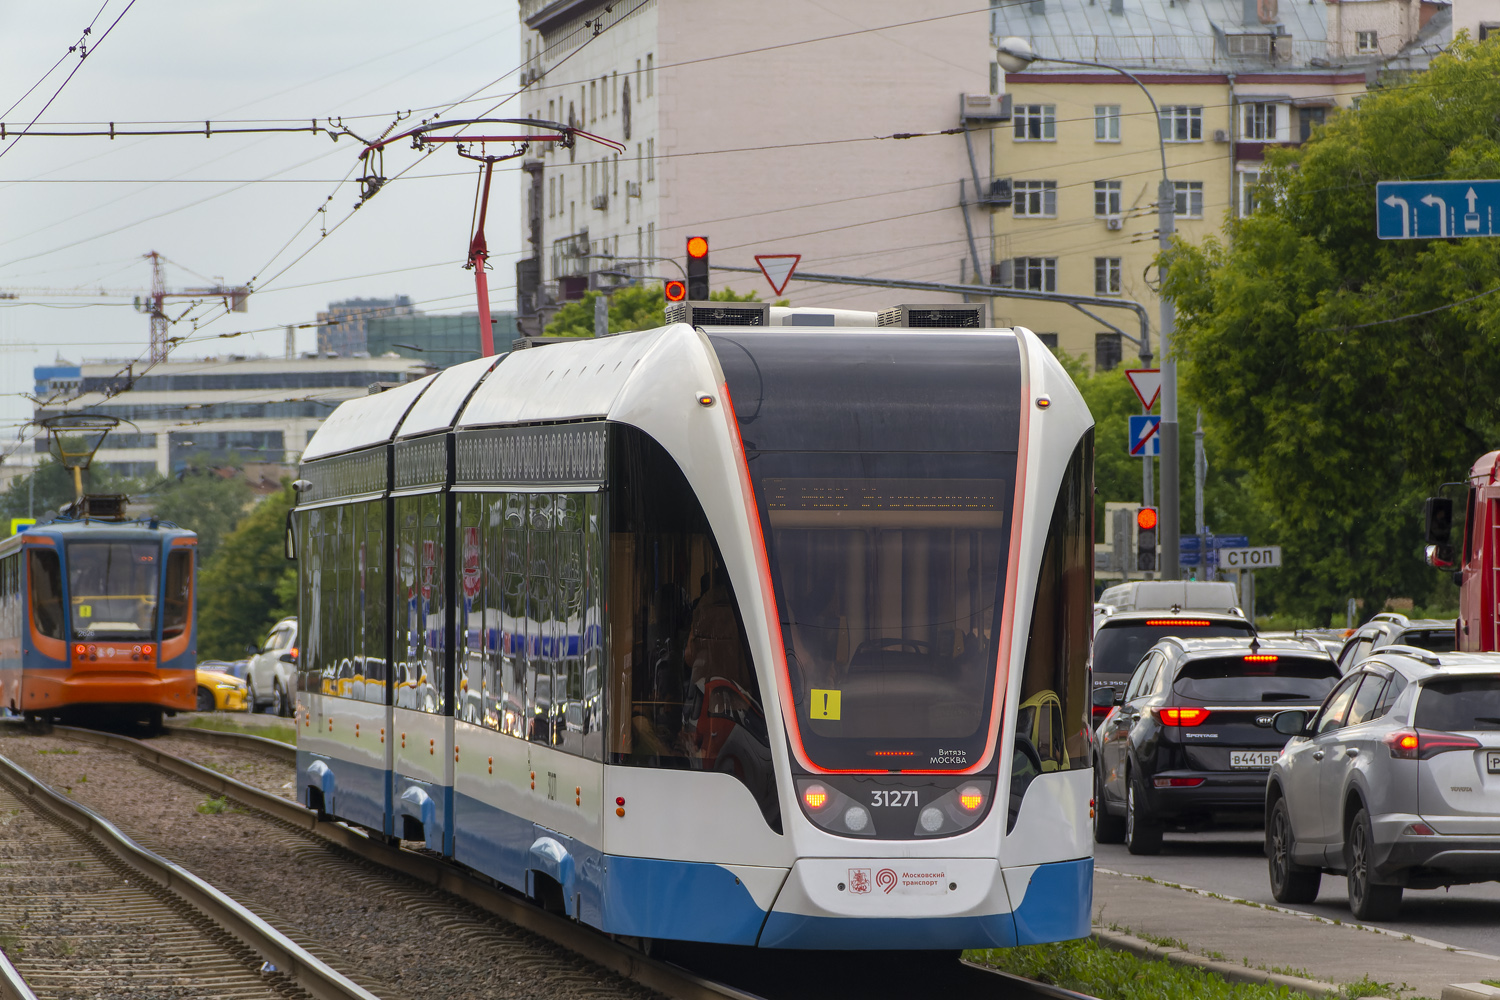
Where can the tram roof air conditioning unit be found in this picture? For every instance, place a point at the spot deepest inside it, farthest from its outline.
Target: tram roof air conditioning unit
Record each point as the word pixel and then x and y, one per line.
pixel 964 317
pixel 1114 223
pixel 99 507
pixel 719 313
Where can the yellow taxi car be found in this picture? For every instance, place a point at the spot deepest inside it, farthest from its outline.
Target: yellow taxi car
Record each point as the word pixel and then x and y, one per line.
pixel 220 691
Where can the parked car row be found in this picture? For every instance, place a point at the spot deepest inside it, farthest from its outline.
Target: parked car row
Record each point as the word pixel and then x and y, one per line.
pixel 1372 754
pixel 263 681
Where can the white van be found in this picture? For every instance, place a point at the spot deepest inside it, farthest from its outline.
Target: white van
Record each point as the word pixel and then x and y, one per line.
pixel 1161 595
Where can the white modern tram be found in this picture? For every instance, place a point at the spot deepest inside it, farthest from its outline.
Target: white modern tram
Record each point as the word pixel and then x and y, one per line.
pixel 755 635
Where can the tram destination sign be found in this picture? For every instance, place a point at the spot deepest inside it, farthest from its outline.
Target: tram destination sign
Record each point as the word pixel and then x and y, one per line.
pixel 1424 210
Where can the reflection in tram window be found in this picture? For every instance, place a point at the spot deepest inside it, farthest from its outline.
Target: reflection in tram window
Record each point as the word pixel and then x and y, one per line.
pixel 1052 724
pixel 683 689
pixel 179 593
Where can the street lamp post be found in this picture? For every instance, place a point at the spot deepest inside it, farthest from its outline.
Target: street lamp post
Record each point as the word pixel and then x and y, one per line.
pixel 1014 55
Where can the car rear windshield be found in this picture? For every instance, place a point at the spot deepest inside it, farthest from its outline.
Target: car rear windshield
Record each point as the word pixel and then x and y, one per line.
pixel 1242 678
pixel 1118 648
pixel 1458 705
pixel 1436 640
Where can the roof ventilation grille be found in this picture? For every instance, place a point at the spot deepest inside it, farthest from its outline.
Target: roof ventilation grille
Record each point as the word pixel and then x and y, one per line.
pixel 962 317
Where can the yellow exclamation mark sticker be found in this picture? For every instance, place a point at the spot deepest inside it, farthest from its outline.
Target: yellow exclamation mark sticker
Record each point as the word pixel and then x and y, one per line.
pixel 825 704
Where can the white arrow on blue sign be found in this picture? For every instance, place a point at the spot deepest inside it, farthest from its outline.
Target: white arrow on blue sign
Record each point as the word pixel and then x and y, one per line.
pixel 1144 439
pixel 1422 210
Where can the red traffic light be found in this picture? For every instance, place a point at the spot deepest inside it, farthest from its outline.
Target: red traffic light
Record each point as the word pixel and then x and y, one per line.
pixel 676 291
pixel 1145 518
pixel 697 246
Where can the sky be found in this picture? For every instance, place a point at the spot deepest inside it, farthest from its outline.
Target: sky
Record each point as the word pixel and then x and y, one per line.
pixel 78 214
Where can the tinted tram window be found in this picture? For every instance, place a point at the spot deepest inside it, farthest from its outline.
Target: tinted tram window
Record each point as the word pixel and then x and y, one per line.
pixel 883 466
pixel 112 588
pixel 683 691
pixel 310 599
pixel 179 593
pixel 46 593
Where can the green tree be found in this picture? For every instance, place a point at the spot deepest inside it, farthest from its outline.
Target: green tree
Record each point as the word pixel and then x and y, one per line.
pixel 203 502
pixel 54 489
pixel 1342 418
pixel 238 597
pixel 636 307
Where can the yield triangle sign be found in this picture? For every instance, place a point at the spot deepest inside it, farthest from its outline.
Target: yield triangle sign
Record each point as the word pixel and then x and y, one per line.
pixel 1147 384
pixel 778 268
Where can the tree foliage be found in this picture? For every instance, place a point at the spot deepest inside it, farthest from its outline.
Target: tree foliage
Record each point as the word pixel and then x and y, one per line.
pixel 54 489
pixel 636 307
pixel 1342 418
pixel 203 502
pixel 238 596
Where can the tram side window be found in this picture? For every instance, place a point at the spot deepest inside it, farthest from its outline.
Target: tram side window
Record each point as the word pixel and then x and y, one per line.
pixel 46 593
pixel 468 630
pixel 310 603
pixel 370 571
pixel 683 692
pixel 179 593
pixel 422 585
pixel 1054 709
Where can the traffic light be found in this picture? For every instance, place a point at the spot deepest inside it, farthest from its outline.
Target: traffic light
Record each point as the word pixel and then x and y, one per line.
pixel 675 291
pixel 697 268
pixel 1145 545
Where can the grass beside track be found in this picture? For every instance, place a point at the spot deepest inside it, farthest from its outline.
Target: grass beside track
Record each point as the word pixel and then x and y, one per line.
pixel 1087 967
pixel 282 733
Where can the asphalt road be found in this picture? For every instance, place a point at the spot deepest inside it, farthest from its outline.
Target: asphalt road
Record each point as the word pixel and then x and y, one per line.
pixel 1231 862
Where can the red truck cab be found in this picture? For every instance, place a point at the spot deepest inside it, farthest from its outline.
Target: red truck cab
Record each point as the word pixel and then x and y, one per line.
pixel 1477 565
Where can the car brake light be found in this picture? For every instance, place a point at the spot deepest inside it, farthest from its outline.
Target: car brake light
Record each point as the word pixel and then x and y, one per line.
pixel 1189 622
pixel 147 650
pixel 1182 716
pixel 816 796
pixel 1176 782
pixel 1261 658
pixel 1424 744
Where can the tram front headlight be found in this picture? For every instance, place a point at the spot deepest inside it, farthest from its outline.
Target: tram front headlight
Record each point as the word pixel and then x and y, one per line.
pixel 856 818
pixel 955 810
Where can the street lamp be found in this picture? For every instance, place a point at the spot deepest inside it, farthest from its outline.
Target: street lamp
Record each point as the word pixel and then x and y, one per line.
pixel 1014 55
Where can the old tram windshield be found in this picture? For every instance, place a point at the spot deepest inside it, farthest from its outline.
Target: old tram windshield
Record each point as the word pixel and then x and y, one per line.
pixel 113 588
pixel 883 466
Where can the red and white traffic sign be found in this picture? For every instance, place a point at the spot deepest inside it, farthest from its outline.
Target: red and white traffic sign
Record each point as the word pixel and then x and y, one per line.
pixel 1147 384
pixel 778 268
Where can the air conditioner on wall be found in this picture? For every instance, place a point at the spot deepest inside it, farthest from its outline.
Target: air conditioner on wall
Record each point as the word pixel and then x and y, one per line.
pixel 1221 135
pixel 1114 223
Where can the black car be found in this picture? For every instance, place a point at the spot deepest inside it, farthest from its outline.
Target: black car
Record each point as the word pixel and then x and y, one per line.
pixel 1121 638
pixel 1190 740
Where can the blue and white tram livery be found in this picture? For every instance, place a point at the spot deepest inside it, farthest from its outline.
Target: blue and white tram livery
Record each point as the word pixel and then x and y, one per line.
pixel 769 636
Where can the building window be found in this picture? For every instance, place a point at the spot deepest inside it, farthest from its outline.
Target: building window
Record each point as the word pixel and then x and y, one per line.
pixel 1366 41
pixel 1249 46
pixel 650 239
pixel 1035 199
pixel 1189 199
pixel 1180 123
pixel 1049 341
pixel 1306 119
pixel 1036 274
pixel 650 159
pixel 614 91
pixel 551 197
pixel 1249 180
pixel 1488 28
pixel 593 101
pixel 650 75
pixel 551 113
pixel 1106 351
pixel 1106 123
pixel 1106 198
pixel 1260 122
pixel 1106 276
pixel 1035 122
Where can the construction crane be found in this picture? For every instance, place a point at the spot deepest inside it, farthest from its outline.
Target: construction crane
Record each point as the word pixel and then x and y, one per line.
pixel 152 302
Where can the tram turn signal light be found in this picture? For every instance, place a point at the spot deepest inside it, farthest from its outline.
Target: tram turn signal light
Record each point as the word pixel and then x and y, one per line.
pixel 80 649
pixel 147 650
pixel 1188 717
pixel 816 796
pixel 970 798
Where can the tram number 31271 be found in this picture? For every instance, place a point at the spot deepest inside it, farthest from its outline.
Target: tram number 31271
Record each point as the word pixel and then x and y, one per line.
pixel 893 797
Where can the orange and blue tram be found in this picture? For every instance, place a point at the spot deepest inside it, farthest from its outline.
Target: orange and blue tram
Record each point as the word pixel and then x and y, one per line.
pixel 97 620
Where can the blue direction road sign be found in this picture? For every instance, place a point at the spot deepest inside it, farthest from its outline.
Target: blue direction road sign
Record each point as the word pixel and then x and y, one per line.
pixel 1189 543
pixel 1144 439
pixel 1422 210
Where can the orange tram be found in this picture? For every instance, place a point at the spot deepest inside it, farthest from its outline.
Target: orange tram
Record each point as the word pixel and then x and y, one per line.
pixel 97 618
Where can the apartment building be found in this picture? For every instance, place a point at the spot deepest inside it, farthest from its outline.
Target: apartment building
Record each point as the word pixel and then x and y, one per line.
pixel 343 328
pixel 255 409
pixel 753 124
pixel 1081 161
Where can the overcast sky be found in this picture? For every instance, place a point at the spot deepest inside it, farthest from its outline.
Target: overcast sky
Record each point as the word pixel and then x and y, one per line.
pixel 79 213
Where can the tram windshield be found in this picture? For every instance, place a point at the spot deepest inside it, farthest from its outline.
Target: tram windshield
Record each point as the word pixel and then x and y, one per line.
pixel 112 588
pixel 883 466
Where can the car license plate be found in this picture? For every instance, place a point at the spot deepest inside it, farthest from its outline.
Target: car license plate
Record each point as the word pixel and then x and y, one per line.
pixel 1492 761
pixel 1252 758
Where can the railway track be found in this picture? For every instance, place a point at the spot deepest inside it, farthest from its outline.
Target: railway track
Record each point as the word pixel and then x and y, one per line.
pixel 691 973
pixel 89 912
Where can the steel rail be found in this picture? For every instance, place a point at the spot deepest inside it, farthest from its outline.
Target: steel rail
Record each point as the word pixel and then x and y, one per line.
pixel 240 741
pixel 612 955
pixel 290 958
pixel 12 986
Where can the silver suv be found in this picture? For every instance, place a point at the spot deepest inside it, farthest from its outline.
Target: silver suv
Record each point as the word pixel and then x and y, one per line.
pixel 1435 635
pixel 271 672
pixel 1394 782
